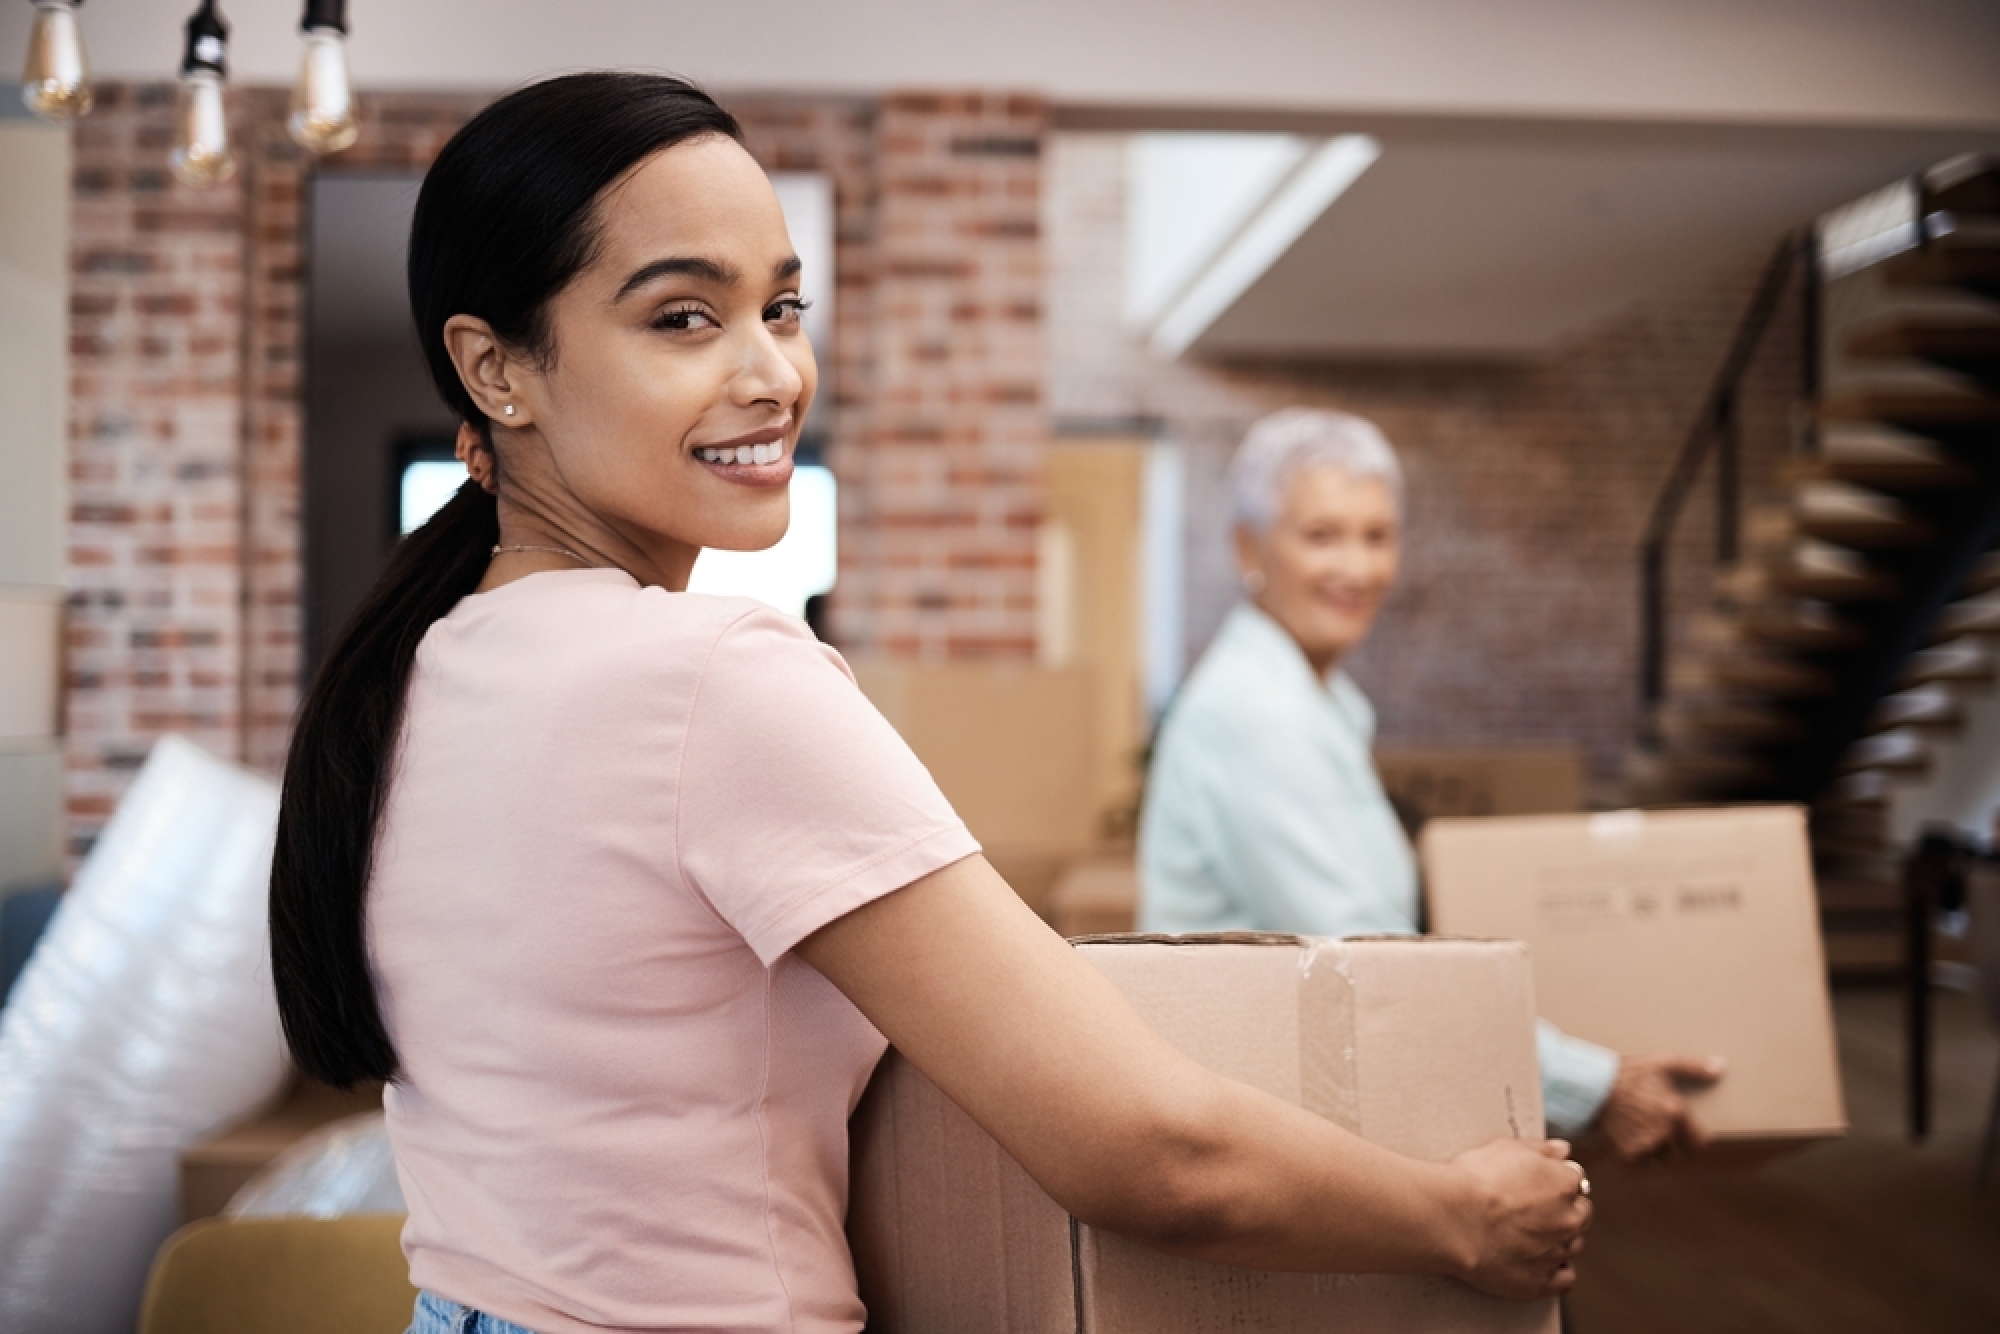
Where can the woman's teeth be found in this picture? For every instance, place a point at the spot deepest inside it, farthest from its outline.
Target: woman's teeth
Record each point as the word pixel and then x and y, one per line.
pixel 769 453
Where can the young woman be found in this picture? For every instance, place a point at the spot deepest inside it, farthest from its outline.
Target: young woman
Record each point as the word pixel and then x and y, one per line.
pixel 622 888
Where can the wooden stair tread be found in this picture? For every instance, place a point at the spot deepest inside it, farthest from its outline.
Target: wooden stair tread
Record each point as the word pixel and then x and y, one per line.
pixel 1865 786
pixel 1805 625
pixel 1912 407
pixel 1873 533
pixel 1837 512
pixel 1810 569
pixel 1900 750
pixel 1977 615
pixel 1967 258
pixel 1966 184
pixel 1958 344
pixel 1716 767
pixel 1774 624
pixel 1897 476
pixel 1985 576
pixel 1933 705
pixel 1879 457
pixel 1745 726
pixel 1957 660
pixel 1747 670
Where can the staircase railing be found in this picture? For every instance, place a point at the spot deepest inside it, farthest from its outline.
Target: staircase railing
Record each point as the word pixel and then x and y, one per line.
pixel 1717 431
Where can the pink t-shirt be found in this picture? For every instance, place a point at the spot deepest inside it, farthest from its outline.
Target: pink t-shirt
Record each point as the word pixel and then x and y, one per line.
pixel 615 810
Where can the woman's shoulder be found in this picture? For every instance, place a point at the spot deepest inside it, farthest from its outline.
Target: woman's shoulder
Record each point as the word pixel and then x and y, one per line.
pixel 602 624
pixel 1229 689
pixel 609 603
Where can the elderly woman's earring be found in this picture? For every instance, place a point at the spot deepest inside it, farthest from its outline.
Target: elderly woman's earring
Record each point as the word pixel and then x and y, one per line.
pixel 1253 582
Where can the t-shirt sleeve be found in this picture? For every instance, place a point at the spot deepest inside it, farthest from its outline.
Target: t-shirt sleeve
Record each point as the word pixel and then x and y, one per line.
pixel 798 802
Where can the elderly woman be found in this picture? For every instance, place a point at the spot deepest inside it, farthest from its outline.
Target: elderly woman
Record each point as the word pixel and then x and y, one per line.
pixel 1263 810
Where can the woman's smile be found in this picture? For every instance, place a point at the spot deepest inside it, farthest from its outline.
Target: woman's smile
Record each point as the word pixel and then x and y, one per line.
pixel 757 459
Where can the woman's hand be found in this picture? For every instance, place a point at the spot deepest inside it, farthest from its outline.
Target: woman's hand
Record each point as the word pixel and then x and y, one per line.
pixel 1530 1213
pixel 1646 1114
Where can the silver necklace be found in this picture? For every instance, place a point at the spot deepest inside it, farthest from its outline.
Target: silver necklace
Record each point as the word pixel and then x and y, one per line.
pixel 553 551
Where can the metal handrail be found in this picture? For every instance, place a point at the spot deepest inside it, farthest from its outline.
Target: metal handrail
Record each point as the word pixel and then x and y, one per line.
pixel 1716 429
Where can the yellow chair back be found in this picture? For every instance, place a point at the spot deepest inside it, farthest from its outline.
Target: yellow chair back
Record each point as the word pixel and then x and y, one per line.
pixel 281 1276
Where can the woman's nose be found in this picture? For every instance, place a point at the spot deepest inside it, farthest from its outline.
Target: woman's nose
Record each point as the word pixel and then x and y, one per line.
pixel 767 374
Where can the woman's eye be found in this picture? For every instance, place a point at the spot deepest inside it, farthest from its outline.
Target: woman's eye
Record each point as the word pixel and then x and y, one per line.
pixel 687 317
pixel 786 310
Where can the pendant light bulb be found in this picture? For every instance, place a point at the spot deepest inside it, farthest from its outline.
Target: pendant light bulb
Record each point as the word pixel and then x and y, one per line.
pixel 322 119
pixel 201 154
pixel 55 83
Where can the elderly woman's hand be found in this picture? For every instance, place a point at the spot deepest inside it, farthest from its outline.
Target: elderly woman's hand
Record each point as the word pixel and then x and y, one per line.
pixel 1646 1114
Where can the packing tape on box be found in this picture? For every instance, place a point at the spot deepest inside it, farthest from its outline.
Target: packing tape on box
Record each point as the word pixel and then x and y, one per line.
pixel 1328 1086
pixel 1618 826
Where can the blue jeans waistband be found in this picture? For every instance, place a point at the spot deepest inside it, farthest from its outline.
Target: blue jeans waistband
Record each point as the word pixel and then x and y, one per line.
pixel 440 1315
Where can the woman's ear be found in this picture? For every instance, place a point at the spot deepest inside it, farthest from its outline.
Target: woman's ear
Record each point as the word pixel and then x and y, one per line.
pixel 485 369
pixel 1249 561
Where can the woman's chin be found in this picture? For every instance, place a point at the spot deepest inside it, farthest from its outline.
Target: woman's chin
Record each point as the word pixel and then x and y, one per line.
pixel 761 538
pixel 1333 642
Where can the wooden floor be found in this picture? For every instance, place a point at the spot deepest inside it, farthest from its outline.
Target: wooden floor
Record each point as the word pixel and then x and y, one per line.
pixel 1869 1234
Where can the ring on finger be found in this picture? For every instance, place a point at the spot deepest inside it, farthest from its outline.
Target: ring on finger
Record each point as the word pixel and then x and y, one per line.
pixel 1582 1178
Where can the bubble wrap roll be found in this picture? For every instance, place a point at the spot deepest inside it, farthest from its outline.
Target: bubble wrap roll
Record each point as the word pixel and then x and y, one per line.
pixel 345 1167
pixel 144 1021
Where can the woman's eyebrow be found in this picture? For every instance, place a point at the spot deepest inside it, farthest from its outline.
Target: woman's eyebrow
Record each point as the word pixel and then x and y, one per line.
pixel 694 266
pixel 689 266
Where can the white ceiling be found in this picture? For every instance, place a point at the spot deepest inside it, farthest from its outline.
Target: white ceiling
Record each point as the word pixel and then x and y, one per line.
pixel 1842 61
pixel 1496 240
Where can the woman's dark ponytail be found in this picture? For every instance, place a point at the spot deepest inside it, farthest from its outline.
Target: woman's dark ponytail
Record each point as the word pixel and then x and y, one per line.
pixel 504 221
pixel 335 781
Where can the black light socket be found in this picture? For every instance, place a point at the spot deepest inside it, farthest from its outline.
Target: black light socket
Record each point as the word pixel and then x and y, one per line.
pixel 325 14
pixel 207 42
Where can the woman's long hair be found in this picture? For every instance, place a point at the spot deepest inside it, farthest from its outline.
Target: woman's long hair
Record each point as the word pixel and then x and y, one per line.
pixel 505 220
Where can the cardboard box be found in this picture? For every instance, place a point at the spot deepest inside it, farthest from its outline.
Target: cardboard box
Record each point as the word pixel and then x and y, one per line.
pixel 1512 780
pixel 1010 745
pixel 1691 931
pixel 1424 1046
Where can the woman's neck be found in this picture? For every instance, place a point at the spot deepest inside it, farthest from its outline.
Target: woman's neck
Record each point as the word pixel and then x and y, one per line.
pixel 1324 661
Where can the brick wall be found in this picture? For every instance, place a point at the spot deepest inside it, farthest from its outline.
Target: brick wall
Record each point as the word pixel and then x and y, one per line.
pixel 1516 615
pixel 156 423
pixel 186 406
pixel 943 476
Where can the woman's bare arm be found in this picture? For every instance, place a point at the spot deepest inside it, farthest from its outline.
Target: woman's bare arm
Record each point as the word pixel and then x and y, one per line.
pixel 1126 1133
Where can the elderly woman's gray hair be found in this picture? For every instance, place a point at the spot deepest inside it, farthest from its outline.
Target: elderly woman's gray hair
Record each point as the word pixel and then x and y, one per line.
pixel 1283 445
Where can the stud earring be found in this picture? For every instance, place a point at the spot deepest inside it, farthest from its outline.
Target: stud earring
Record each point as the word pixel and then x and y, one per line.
pixel 509 409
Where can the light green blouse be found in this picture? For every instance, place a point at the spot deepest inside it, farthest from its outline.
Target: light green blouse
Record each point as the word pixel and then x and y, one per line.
pixel 1264 813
